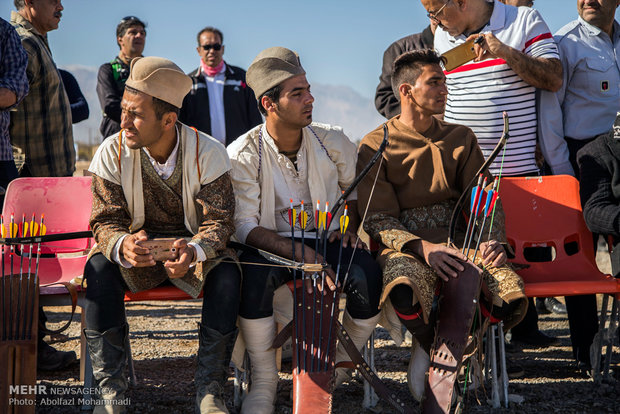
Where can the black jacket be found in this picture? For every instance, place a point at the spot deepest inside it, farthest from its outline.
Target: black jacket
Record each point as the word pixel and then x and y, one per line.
pixel 240 107
pixel 599 166
pixel 385 101
pixel 79 106
pixel 110 87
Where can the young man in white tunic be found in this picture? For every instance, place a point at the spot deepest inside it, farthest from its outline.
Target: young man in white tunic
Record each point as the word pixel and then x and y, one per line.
pixel 289 157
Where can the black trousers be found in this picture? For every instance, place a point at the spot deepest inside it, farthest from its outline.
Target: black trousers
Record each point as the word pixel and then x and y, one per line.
pixel 582 310
pixel 105 305
pixel 363 285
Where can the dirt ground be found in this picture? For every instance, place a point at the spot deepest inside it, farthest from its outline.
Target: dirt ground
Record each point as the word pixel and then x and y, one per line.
pixel 164 342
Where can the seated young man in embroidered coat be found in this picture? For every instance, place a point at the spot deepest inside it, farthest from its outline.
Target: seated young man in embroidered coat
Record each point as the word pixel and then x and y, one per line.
pixel 426 166
pixel 160 178
pixel 290 157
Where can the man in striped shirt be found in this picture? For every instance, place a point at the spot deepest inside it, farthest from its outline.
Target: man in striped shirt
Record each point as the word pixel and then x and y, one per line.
pixel 515 54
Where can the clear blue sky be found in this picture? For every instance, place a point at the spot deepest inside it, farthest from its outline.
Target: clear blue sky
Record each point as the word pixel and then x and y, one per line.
pixel 340 42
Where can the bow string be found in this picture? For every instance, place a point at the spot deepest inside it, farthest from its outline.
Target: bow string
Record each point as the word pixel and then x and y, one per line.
pixel 458 207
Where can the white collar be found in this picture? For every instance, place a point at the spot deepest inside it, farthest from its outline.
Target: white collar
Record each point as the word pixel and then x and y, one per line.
pixel 166 169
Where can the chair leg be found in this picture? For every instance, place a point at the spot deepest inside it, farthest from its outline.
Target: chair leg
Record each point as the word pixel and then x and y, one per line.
pixel 83 349
pixel 494 377
pixel 241 382
pixel 611 336
pixel 597 346
pixel 502 360
pixel 86 366
pixel 374 398
pixel 487 352
pixel 89 382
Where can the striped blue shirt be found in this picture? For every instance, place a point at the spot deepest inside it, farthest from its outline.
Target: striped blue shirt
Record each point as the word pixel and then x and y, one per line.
pixel 13 61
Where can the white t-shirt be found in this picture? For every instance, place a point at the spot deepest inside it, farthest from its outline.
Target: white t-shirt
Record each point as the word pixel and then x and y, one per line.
pixel 215 88
pixel 479 92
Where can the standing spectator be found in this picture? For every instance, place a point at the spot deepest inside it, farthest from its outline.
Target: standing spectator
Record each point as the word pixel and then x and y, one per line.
pixel 599 163
pixel 130 37
pixel 386 101
pixel 220 103
pixel 543 305
pixel 13 88
pixel 41 126
pixel 528 328
pixel 584 107
pixel 515 56
pixel 79 106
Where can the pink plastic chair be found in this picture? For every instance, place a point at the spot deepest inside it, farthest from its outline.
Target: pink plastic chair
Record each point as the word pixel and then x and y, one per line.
pixel 65 202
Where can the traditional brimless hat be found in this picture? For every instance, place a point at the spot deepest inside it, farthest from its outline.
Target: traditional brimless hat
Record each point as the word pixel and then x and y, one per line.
pixel 160 78
pixel 272 67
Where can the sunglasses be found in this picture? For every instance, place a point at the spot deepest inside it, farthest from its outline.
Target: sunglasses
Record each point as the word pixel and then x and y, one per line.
pixel 129 18
pixel 215 46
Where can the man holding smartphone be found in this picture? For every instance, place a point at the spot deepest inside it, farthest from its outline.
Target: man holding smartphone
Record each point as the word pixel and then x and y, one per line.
pixel 160 178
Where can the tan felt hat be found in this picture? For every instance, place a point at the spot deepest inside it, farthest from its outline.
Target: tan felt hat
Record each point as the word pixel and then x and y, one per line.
pixel 272 67
pixel 160 78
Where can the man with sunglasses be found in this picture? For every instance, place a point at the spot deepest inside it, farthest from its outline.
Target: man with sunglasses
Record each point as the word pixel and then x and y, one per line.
pixel 220 103
pixel 131 38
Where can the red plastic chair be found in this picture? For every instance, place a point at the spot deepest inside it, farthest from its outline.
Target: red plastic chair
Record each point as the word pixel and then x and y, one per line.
pixel 158 293
pixel 546 212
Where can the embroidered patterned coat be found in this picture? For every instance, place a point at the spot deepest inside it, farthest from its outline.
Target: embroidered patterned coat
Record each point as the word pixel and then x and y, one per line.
pixel 421 178
pixel 164 217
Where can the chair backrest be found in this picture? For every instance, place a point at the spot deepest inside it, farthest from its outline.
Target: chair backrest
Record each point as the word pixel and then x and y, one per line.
pixel 546 211
pixel 65 201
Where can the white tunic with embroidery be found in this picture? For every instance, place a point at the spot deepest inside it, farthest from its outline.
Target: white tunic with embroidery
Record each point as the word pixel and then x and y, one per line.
pixel 265 180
